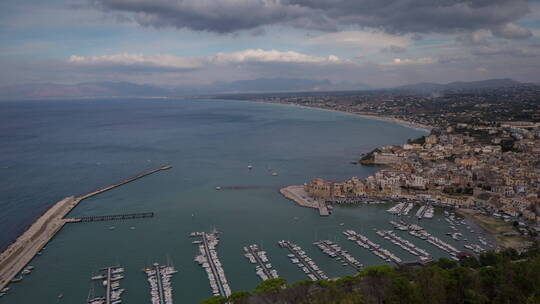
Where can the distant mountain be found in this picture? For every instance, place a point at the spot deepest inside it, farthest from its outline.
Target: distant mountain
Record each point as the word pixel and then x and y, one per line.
pixel 81 90
pixel 428 87
pixel 126 89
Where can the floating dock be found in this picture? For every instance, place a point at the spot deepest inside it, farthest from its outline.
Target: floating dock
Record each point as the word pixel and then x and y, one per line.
pixel 159 278
pixel 257 256
pixel 404 244
pixel 335 251
pixel 375 248
pixel 21 252
pixel 300 258
pixel 209 260
pixel 110 278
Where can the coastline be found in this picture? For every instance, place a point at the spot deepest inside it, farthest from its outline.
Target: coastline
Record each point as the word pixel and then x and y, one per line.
pixel 394 120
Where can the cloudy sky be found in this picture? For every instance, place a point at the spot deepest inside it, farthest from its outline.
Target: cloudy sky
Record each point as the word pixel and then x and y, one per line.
pixel 173 43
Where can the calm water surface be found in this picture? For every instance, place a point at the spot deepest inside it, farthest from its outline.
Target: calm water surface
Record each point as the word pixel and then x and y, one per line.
pixel 52 149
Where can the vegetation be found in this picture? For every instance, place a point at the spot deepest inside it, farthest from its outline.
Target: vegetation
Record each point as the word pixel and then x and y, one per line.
pixel 493 277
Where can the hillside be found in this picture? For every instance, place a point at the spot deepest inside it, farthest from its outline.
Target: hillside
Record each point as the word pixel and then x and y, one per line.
pixel 502 277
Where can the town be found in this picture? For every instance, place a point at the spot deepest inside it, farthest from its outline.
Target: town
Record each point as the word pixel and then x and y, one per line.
pixel 482 152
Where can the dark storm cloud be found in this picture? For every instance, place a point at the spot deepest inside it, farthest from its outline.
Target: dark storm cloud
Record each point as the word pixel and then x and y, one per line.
pixel 393 16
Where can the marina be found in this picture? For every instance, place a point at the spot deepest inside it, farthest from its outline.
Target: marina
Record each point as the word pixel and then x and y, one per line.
pixel 110 278
pixel 335 251
pixel 257 256
pixel 401 209
pixel 299 257
pixel 209 260
pixel 159 278
pixel 375 248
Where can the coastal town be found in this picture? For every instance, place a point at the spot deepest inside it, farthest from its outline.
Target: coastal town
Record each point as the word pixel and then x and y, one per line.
pixel 482 159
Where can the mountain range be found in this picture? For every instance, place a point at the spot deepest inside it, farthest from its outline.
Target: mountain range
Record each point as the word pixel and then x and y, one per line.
pixel 261 85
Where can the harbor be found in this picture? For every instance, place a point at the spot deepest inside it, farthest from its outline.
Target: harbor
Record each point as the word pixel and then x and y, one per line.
pixel 30 243
pixel 335 251
pixel 257 256
pixel 159 278
pixel 209 260
pixel 300 258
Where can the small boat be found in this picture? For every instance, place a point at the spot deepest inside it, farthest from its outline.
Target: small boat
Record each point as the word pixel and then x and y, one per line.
pixel 17 279
pixel 61 295
pixel 5 290
pixel 250 167
pixel 274 174
pixel 132 228
pixel 218 188
pixel 341 224
pixel 112 228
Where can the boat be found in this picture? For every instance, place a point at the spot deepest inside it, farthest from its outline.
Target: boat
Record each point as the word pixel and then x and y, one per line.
pixel 218 188
pixel 61 295
pixel 112 228
pixel 250 167
pixel 274 174
pixel 17 279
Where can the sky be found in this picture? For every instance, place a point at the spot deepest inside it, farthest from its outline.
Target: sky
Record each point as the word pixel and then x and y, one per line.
pixel 183 43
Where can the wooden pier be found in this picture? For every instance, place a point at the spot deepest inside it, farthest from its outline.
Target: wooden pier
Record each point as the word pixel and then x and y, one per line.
pixel 27 245
pixel 114 217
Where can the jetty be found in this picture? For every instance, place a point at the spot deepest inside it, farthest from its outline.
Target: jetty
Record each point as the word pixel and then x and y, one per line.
pixel 335 251
pixel 301 198
pixel 27 245
pixel 208 259
pixel 110 279
pixel 159 278
pixel 257 256
pixel 299 257
pixel 375 248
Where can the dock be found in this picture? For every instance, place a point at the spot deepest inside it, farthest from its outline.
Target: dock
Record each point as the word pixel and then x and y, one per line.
pixel 335 251
pixel 209 260
pixel 110 279
pixel 114 217
pixel 27 245
pixel 303 261
pixel 301 198
pixel 159 278
pixel 404 244
pixel 257 256
pixel 375 248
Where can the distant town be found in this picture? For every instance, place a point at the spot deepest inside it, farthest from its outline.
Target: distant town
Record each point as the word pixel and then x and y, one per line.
pixel 482 153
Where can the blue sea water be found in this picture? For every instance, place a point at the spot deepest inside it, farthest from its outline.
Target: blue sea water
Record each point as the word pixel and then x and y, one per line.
pixel 53 149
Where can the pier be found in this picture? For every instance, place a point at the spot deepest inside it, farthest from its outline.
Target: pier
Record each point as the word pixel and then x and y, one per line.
pixel 301 198
pixel 159 278
pixel 257 256
pixel 115 217
pixel 375 248
pixel 424 235
pixel 300 258
pixel 27 245
pixel 404 244
pixel 111 281
pixel 209 260
pixel 333 250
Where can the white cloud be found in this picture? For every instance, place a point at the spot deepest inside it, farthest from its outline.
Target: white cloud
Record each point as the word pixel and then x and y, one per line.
pixel 424 60
pixel 259 55
pixel 194 62
pixel 362 39
pixel 137 60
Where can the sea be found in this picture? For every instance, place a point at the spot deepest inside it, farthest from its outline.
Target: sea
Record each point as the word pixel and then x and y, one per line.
pixel 50 149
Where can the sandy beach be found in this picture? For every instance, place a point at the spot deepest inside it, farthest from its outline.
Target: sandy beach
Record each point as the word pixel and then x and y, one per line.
pixel 402 122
